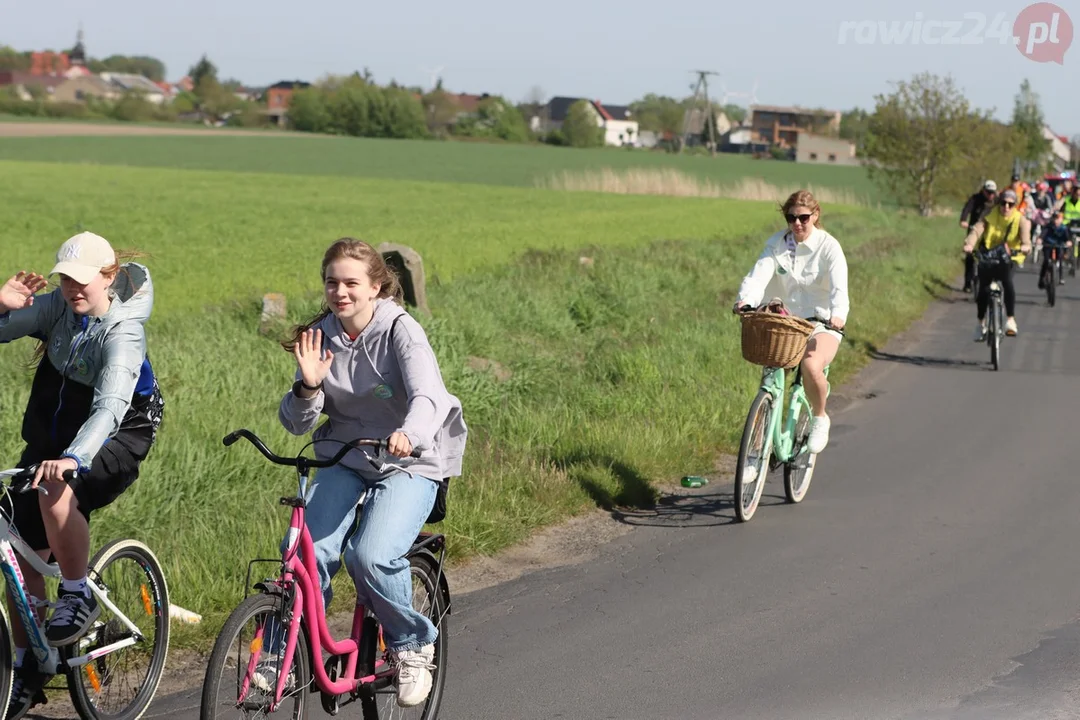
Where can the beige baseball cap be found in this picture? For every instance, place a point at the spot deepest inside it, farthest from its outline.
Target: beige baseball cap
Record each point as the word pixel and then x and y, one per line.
pixel 83 256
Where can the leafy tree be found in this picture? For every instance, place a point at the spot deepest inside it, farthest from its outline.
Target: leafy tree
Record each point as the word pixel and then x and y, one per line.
pixel 660 114
pixel 1028 121
pixel 580 128
pixel 735 113
pixel 854 126
pixel 440 109
pixel 12 59
pixel 202 70
pixel 309 111
pixel 146 66
pixel 917 135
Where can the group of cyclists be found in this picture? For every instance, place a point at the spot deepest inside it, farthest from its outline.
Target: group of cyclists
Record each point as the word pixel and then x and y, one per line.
pixel 1002 225
pixel 363 363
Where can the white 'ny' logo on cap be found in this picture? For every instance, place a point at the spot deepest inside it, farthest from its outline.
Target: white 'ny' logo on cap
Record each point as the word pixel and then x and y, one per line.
pixel 71 252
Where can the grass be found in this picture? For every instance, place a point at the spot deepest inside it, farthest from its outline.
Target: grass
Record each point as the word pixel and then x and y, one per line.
pixel 674 183
pixel 620 372
pixel 221 236
pixel 451 162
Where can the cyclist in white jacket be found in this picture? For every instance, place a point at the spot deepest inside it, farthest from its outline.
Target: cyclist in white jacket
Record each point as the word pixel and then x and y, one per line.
pixel 806 268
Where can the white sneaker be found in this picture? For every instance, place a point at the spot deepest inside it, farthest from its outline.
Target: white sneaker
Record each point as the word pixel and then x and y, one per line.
pixel 414 675
pixel 1010 327
pixel 980 332
pixel 265 677
pixel 819 434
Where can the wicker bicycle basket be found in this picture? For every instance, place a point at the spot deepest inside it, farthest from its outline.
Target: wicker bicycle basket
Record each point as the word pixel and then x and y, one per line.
pixel 773 340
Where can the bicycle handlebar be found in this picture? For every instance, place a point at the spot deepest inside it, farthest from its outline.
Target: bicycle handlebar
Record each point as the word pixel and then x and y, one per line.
pixel 20 481
pixel 298 460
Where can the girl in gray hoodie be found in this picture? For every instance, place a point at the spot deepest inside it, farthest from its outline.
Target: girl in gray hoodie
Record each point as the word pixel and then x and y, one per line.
pixel 367 365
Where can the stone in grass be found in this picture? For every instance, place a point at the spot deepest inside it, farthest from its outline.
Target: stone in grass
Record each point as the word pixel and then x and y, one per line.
pixel 273 313
pixel 407 264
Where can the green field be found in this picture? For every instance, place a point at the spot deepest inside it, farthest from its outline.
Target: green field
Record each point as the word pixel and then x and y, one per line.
pixel 451 162
pixel 622 374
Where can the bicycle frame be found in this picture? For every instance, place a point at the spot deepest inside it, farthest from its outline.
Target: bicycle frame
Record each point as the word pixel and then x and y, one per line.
pixel 301 577
pixel 12 546
pixel 782 425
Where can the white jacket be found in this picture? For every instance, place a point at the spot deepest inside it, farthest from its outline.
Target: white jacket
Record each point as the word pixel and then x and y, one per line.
pixel 816 284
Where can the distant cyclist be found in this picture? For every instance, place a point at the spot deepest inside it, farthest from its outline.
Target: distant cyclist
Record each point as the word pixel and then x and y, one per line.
pixel 1069 205
pixel 1055 235
pixel 974 209
pixel 1003 227
pixel 808 265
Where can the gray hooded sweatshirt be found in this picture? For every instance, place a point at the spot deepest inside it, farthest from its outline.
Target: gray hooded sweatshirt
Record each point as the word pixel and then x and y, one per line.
pixel 377 387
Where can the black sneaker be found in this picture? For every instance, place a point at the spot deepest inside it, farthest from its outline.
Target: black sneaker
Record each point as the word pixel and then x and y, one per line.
pixel 72 617
pixel 26 689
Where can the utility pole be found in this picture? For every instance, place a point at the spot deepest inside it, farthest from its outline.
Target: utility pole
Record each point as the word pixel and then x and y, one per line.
pixel 701 94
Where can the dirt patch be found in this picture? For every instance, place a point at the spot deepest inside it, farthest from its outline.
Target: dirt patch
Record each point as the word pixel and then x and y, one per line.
pixel 73 129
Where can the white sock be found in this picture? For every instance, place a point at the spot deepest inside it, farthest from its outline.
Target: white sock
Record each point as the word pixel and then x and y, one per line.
pixel 20 653
pixel 76 586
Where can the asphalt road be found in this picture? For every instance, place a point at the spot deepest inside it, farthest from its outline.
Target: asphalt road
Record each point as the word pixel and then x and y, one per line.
pixel 931 572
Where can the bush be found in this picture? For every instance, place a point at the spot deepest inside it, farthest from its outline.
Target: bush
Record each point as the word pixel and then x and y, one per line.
pixel 357 108
pixel 133 107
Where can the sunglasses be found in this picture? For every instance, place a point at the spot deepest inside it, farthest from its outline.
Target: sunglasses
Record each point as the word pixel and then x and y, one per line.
pixel 804 218
pixel 1006 203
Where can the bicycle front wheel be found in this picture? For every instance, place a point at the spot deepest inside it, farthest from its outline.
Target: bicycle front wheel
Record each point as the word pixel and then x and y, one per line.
pixel 754 451
pixel 252 644
pixel 121 684
pixel 992 336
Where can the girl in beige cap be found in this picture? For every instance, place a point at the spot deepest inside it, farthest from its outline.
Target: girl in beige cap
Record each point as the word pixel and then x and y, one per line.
pixel 93 414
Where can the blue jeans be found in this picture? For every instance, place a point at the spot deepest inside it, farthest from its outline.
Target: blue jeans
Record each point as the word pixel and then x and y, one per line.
pixel 393 514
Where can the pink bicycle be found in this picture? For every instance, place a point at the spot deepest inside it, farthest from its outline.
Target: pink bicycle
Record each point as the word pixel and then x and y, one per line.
pixel 271 647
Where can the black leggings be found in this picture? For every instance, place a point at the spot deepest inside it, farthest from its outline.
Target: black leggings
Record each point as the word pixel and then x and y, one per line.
pixel 1003 274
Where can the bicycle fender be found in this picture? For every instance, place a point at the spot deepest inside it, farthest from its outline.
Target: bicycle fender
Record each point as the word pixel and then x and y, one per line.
pixel 444 586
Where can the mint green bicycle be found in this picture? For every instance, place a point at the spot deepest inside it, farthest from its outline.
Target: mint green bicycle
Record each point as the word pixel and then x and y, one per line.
pixel 770 439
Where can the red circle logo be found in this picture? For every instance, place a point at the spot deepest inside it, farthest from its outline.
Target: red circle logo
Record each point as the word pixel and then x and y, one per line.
pixel 1043 32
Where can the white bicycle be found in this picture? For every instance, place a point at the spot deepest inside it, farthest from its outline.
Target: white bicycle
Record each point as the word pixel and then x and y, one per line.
pixel 113 671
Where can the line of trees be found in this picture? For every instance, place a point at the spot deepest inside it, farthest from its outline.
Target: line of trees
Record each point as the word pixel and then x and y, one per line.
pixel 926 144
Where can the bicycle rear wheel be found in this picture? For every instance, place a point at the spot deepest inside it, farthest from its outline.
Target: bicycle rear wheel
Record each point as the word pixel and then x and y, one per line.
pixel 754 451
pixel 428 600
pixel 7 657
pixel 800 470
pixel 239 649
pixel 121 684
pixel 1051 284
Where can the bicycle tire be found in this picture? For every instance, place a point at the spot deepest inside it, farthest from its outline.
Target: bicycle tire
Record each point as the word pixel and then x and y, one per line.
pixel 157 598
pixel 762 407
pixel 215 669
pixel 795 486
pixel 7 658
pixel 425 567
pixel 994 336
pixel 1051 285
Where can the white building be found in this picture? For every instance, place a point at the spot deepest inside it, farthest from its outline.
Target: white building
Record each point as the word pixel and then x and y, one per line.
pixel 620 128
pixel 1059 149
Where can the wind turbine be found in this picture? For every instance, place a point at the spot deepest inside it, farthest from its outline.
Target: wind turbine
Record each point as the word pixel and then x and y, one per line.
pixel 434 74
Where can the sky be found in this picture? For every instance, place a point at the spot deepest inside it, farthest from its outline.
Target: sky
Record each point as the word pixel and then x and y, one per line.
pixel 833 54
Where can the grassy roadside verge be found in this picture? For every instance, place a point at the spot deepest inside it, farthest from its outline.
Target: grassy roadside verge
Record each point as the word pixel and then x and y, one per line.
pixel 584 385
